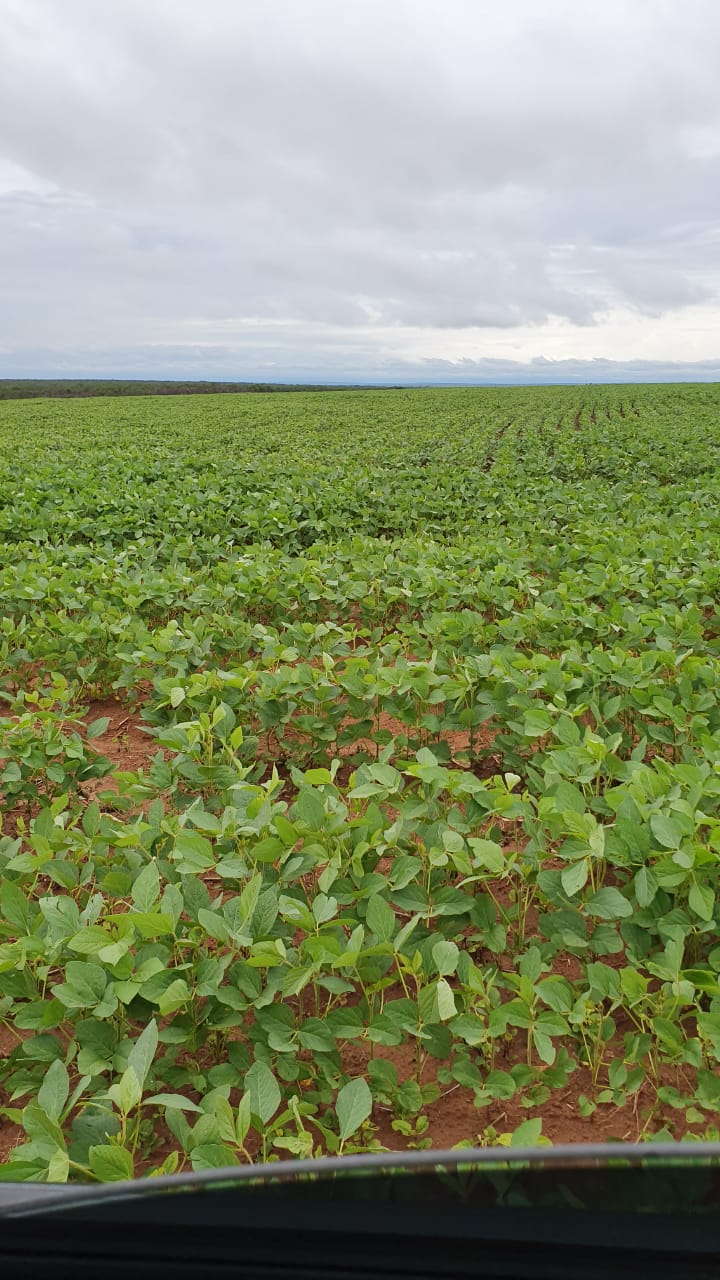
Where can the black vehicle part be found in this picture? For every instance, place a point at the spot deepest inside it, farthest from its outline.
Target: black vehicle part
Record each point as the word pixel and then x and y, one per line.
pixel 600 1212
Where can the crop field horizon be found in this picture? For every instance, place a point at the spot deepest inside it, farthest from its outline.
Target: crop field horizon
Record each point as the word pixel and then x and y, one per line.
pixel 359 774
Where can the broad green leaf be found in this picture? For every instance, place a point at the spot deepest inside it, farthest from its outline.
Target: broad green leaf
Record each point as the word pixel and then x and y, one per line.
pixel 212 1156
pixel 127 1093
pixel 168 1166
pixel 544 1046
pixel 527 1134
pixel 175 1101
pixel 152 924
pixel 23 1170
pixel 380 918
pixel 98 728
pixel 445 1001
pixel 666 831
pixel 574 877
pixel 91 819
pixel 646 886
pixel 146 888
pixel 324 908
pixel 701 900
pixel 214 925
pixel 268 850
pixel 84 986
pixel 608 904
pixel 446 955
pixel 140 1057
pixel 487 854
pixel 192 853
pixel 58 1166
pixel 14 905
pixel 249 897
pixel 111 1163
pixel 175 997
pixel 41 1128
pixel 264 1092
pixel 92 941
pixel 353 1106
pixel 243 1119
pixel 54 1090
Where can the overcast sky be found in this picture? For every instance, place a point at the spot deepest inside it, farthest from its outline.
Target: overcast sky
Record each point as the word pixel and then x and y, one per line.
pixel 359 188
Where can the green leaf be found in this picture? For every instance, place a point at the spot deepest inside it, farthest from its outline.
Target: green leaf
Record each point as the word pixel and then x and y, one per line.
pixel 701 900
pixel 175 997
pixel 286 831
pixel 14 905
pixel 91 819
pixel 173 1101
pixel 445 1001
pixel 488 854
pixel 268 850
pixel 23 1171
pixel 386 775
pixel 141 1055
pixel 84 986
pixel 127 1093
pixel 212 1155
pixel 536 723
pixel 608 904
pixel 243 1119
pixel 214 925
pixel 98 727
pixel 527 1134
pixel 353 1106
pixel 249 898
pixel 41 1128
pixel 265 1096
pixel 205 821
pixel 265 913
pixel 169 1165
pixel 316 1036
pixel 111 1164
pixel 574 877
pixel 317 777
pixel 646 886
pixel 152 924
pixel 446 955
pixel 310 808
pixel 324 908
pixel 544 1046
pixel 380 918
pixel 58 1166
pixel 470 1028
pixel 666 832
pixel 91 941
pixel 146 888
pixel 192 853
pixel 54 1090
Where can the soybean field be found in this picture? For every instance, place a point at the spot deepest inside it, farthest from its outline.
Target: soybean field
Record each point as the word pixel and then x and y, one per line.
pixel 359 774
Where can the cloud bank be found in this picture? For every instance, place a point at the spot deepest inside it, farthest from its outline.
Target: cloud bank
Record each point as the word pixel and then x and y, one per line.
pixel 355 190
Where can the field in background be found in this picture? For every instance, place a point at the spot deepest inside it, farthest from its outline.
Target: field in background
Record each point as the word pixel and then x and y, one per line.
pixel 81 388
pixel 360 773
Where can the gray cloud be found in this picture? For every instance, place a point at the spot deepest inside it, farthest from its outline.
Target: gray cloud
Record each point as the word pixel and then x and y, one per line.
pixel 177 178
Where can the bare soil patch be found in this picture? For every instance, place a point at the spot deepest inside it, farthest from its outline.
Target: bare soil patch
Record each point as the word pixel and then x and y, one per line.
pixel 125 742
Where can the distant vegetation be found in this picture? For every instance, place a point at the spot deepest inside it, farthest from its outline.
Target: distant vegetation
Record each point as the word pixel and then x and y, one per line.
pixel 66 388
